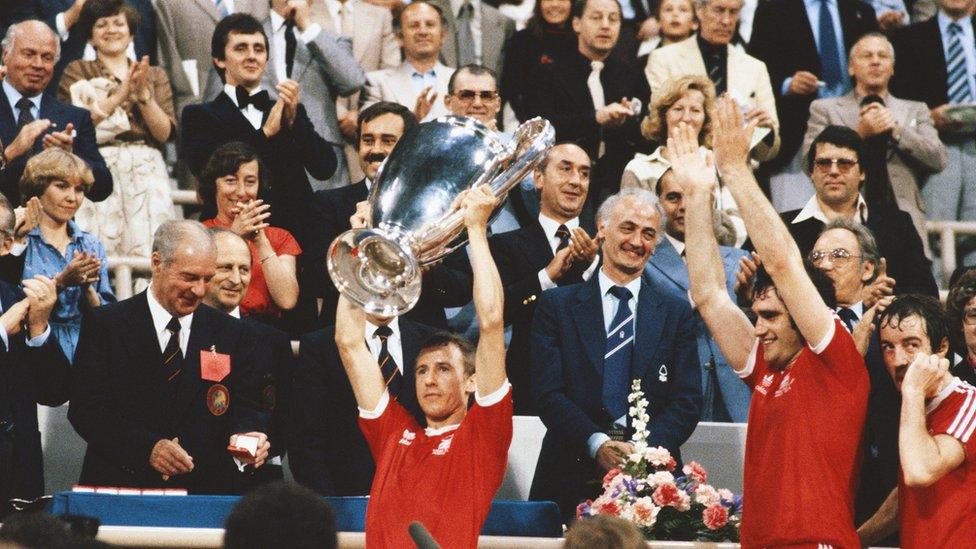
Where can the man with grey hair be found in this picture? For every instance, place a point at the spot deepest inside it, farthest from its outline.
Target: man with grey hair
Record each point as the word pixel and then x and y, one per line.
pixel 582 374
pixel 901 144
pixel 31 120
pixel 163 384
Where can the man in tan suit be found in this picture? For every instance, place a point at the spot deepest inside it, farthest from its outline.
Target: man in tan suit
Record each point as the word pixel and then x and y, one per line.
pixel 185 28
pixel 374 46
pixel 913 149
pixel 710 53
pixel 420 82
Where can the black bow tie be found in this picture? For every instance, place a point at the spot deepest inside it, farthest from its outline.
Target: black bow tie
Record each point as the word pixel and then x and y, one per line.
pixel 260 100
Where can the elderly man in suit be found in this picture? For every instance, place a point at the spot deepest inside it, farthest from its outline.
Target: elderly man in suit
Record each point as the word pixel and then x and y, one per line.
pixel 159 407
pixel 582 375
pixel 321 62
pixel 185 28
pixel 32 120
pixel 804 44
pixel 908 146
pixel 724 397
pixel 476 33
pixel 710 53
pixel 279 129
pixel 420 82
pixel 374 45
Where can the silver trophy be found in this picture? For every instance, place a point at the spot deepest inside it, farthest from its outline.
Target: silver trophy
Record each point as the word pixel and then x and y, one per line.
pixel 414 211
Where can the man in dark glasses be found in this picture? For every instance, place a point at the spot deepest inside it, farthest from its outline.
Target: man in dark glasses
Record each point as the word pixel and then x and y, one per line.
pixel 473 91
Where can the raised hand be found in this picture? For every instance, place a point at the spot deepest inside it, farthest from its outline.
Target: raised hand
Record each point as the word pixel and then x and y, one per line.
pixel 924 375
pixel 882 285
pixel 478 204
pixel 289 93
pixel 24 142
pixel 273 123
pixel 863 330
pixel 63 139
pixel 26 218
pixel 745 276
pixel 425 101
pixel 250 219
pixel 731 135
pixel 82 269
pixel 691 172
pixel 583 248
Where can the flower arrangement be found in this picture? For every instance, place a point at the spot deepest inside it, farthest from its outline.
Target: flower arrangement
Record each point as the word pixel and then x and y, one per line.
pixel 645 491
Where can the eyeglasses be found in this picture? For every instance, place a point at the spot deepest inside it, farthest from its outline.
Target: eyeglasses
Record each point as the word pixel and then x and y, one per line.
pixel 468 96
pixel 838 256
pixel 969 317
pixel 844 165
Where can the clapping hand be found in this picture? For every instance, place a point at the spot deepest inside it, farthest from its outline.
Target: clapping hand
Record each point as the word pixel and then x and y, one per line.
pixel 289 93
pixel 82 269
pixel 42 294
pixel 250 219
pixel 425 101
pixel 745 276
pixel 882 286
pixel 138 81
pixel 26 218
pixel 63 139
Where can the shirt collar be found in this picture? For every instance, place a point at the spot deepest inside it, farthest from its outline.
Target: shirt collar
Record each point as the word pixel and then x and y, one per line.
pixel 708 48
pixel 13 96
pixel 550 226
pixel 857 309
pixel 236 313
pixel 160 316
pixel 231 92
pixel 678 245
pixel 440 430
pixel 812 3
pixel 369 183
pixel 394 326
pixel 605 284
pixel 811 210
pixel 277 21
pixel 414 71
pixel 943 394
pixel 944 21
pixel 73 232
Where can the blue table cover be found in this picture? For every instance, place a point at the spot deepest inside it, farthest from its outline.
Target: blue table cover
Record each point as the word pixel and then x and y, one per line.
pixel 506 518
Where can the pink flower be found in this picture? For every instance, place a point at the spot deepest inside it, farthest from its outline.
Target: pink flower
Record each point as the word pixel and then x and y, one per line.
pixel 725 494
pixel 667 494
pixel 583 508
pixel 609 507
pixel 659 457
pixel 694 471
pixel 645 512
pixel 706 494
pixel 611 474
pixel 715 516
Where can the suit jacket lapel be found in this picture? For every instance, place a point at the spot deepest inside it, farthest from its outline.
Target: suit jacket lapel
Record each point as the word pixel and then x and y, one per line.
pixel 402 86
pixel 849 110
pixel 799 11
pixel 588 315
pixel 201 337
pixel 491 41
pixel 270 79
pixel 210 9
pixel 667 260
pixel 8 123
pixel 650 324
pixel 142 345
pixel 225 109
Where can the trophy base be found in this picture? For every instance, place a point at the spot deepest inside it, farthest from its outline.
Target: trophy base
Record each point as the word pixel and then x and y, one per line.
pixel 375 272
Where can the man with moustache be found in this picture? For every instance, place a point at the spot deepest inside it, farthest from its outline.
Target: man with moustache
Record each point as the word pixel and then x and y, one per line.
pixel 162 384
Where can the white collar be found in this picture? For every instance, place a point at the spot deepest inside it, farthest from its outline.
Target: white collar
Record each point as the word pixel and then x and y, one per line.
pixel 679 246
pixel 605 285
pixel 370 329
pixel 369 183
pixel 277 21
pixel 944 21
pixel 231 92
pixel 13 96
pixel 857 309
pixel 440 430
pixel 236 313
pixel 160 316
pixel 954 384
pixel 550 226
pixel 812 210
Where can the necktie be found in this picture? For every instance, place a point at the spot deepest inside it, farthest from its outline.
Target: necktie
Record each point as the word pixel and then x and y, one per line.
pixel 830 63
pixel 465 42
pixel 562 233
pixel 848 317
pixel 391 373
pixel 172 354
pixel 715 73
pixel 291 44
pixel 958 75
pixel 25 116
pixel 222 8
pixel 260 100
pixel 596 92
pixel 619 351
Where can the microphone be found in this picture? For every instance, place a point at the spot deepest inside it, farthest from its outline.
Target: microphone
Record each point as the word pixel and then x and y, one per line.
pixel 877 187
pixel 421 537
pixel 870 99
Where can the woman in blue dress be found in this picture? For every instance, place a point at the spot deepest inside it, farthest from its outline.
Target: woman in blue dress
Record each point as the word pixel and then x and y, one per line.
pixel 57 248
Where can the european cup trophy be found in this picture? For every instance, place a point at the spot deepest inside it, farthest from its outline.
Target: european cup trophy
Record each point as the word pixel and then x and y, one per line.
pixel 414 208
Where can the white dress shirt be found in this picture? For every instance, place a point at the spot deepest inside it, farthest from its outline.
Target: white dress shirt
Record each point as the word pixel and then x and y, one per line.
pixel 394 343
pixel 334 7
pixel 278 47
pixel 812 210
pixel 252 113
pixel 679 246
pixel 967 41
pixel 550 226
pixel 13 96
pixel 161 318
pixel 475 23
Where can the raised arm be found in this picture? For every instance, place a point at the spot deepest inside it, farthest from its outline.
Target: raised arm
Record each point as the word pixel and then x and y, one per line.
pixel 361 366
pixel 696 176
pixel 774 243
pixel 487 291
pixel 925 458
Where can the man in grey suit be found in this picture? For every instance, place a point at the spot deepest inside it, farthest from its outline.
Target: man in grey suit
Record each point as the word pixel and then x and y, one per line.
pixel 476 33
pixel 724 397
pixel 902 129
pixel 322 63
pixel 374 45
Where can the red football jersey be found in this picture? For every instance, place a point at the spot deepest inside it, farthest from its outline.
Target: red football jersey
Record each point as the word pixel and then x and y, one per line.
pixel 803 445
pixel 444 478
pixel 944 514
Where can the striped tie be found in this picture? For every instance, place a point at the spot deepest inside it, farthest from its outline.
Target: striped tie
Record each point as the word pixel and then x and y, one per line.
pixel 619 351
pixel 958 74
pixel 172 354
pixel 391 373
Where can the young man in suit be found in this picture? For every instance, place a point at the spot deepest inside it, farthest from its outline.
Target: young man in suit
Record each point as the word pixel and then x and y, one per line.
pixel 899 135
pixel 834 160
pixel 322 64
pixel 935 66
pixel 724 397
pixel 33 370
pixel 709 52
pixel 32 120
pixel 420 82
pixel 804 43
pixel 279 129
pixel 163 384
pixel 590 341
pixel 589 96
pixel 802 364
pixel 476 33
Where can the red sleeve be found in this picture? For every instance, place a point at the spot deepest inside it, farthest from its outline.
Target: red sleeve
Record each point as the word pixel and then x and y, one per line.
pixel 957 418
pixel 283 242
pixel 838 352
pixel 393 421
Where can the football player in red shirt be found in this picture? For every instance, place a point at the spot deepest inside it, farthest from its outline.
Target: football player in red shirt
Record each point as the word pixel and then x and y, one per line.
pixel 936 498
pixel 446 475
pixel 810 385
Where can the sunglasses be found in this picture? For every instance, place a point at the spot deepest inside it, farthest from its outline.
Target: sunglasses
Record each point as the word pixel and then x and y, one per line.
pixel 824 165
pixel 468 95
pixel 838 256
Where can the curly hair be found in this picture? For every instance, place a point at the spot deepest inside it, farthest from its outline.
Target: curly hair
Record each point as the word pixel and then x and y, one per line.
pixel 224 161
pixel 960 294
pixel 654 128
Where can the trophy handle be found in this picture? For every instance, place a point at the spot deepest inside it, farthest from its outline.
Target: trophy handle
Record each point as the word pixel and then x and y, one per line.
pixel 375 270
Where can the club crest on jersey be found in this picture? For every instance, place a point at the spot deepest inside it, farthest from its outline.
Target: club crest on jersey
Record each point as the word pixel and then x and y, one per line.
pixel 407 437
pixel 662 374
pixel 443 447
pixel 766 382
pixel 785 385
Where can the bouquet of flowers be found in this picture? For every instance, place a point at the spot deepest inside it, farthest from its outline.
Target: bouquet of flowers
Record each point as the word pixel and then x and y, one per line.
pixel 645 491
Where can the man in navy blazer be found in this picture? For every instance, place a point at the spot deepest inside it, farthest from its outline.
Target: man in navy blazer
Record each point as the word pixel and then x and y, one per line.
pixel 724 397
pixel 580 379
pixel 30 50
